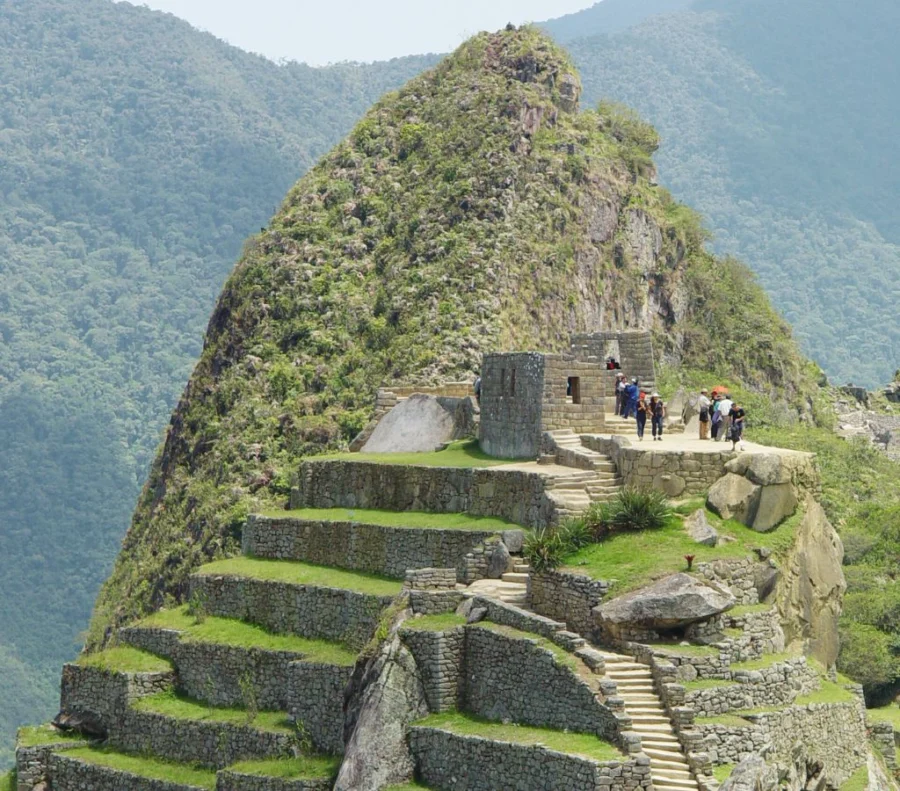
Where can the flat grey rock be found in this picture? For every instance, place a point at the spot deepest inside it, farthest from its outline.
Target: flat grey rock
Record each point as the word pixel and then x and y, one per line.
pixel 676 600
pixel 420 424
pixel 699 529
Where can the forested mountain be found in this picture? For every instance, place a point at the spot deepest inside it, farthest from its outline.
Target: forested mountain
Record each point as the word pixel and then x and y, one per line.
pixel 136 155
pixel 778 123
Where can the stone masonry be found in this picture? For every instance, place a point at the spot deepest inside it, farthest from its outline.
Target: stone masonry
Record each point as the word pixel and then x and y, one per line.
pixel 526 394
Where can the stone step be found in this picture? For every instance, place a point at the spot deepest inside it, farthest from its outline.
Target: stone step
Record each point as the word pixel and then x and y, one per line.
pixel 514 576
pixel 672 762
pixel 666 782
pixel 640 720
pixel 641 671
pixel 659 772
pixel 522 568
pixel 644 709
pixel 655 728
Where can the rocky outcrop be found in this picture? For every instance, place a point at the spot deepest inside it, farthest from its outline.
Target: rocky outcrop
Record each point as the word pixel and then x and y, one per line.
pixel 752 774
pixel 422 423
pixel 698 527
pixel 761 490
pixel 813 585
pixel 673 602
pixel 386 699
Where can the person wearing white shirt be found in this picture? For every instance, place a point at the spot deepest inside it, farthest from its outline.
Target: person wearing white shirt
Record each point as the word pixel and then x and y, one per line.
pixel 724 409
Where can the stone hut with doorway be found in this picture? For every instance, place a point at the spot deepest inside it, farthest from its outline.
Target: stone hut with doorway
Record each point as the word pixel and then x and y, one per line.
pixel 524 394
pixel 633 349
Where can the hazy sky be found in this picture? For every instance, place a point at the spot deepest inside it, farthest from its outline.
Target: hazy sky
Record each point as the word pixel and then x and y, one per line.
pixel 327 31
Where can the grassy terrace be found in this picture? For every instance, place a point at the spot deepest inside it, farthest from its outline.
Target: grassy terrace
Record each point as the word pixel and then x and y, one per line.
pixel 465 453
pixel 172 705
pixel 8 781
pixel 404 787
pixel 585 745
pixel 764 661
pixel 227 631
pixel 143 766
pixel 37 735
pixel 889 714
pixel 124 659
pixel 304 767
pixel 435 623
pixel 731 720
pixel 858 781
pixel 412 519
pixel 633 559
pixel 298 573
pixel 686 650
pixel 722 772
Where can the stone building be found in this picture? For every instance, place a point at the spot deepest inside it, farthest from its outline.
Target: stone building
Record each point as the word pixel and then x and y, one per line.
pixel 524 394
pixel 633 349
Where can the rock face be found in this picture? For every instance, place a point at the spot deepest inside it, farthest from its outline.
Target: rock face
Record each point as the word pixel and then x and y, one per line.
pixel 699 528
pixel 761 489
pixel 751 774
pixel 420 424
pixel 813 585
pixel 390 697
pixel 675 601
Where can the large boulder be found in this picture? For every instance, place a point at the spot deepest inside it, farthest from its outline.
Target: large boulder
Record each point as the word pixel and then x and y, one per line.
pixel 421 424
pixel 812 587
pixel 734 497
pixel 385 697
pixel 752 774
pixel 672 602
pixel 775 504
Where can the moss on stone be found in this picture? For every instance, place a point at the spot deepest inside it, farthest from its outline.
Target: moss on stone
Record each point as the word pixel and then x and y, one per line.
pixel 304 767
pixel 298 573
pixel 125 659
pixel 228 631
pixel 586 745
pixel 145 766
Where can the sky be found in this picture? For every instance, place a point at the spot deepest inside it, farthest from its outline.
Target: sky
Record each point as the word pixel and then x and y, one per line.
pixel 329 31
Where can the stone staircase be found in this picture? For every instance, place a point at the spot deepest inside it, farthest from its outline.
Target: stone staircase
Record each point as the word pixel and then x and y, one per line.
pixel 619 426
pixel 668 766
pixel 597 480
pixel 511 588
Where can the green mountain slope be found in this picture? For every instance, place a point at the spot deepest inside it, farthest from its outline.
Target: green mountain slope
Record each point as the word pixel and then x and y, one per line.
pixel 136 155
pixel 472 211
pixel 778 125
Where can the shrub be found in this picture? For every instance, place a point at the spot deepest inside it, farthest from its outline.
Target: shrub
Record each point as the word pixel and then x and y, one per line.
pixel 866 655
pixel 575 534
pixel 637 509
pixel 545 548
pixel 597 520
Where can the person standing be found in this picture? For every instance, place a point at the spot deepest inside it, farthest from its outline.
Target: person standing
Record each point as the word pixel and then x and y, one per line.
pixel 620 394
pixel 632 393
pixel 736 421
pixel 641 416
pixel 703 405
pixel 725 411
pixel 657 416
pixel 715 418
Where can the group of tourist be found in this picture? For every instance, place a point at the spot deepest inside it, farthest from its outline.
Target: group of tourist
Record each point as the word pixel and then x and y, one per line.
pixel 721 417
pixel 632 401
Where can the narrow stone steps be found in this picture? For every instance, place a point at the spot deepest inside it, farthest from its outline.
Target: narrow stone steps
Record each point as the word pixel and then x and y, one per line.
pixel 522 568
pixel 649 719
pixel 514 576
pixel 668 763
pixel 671 774
pixel 665 782
pixel 637 711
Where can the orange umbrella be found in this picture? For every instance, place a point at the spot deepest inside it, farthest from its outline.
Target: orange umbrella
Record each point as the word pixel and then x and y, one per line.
pixel 719 389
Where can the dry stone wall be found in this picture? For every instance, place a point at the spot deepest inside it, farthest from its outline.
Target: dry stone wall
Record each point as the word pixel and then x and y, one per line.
pixel 515 495
pixel 235 781
pixel 567 597
pixel 105 694
pixel 211 744
pixel 675 473
pixel 33 763
pixel 285 608
pixel 447 760
pixel 315 696
pixel 70 774
pixel 515 679
pixel 777 685
pixel 439 661
pixel 390 551
pixel 511 404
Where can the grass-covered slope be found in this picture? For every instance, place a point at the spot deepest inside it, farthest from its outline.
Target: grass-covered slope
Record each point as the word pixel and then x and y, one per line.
pixel 472 211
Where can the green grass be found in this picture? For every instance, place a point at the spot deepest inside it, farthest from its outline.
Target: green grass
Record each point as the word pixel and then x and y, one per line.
pixel 562 656
pixel 763 662
pixel 8 781
pixel 722 772
pixel 731 720
pixel 125 659
pixel 304 767
pixel 154 768
pixel 465 453
pixel 291 571
pixel 706 683
pixel 170 704
pixel 748 609
pixel 829 693
pixel 228 631
pixel 404 787
pixel 435 623
pixel 889 714
pixel 633 559
pixel 858 781
pixel 36 735
pixel 411 519
pixel 686 650
pixel 583 744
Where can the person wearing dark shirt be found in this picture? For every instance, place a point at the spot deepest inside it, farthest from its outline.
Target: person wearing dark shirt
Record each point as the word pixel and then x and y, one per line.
pixel 657 414
pixel 736 430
